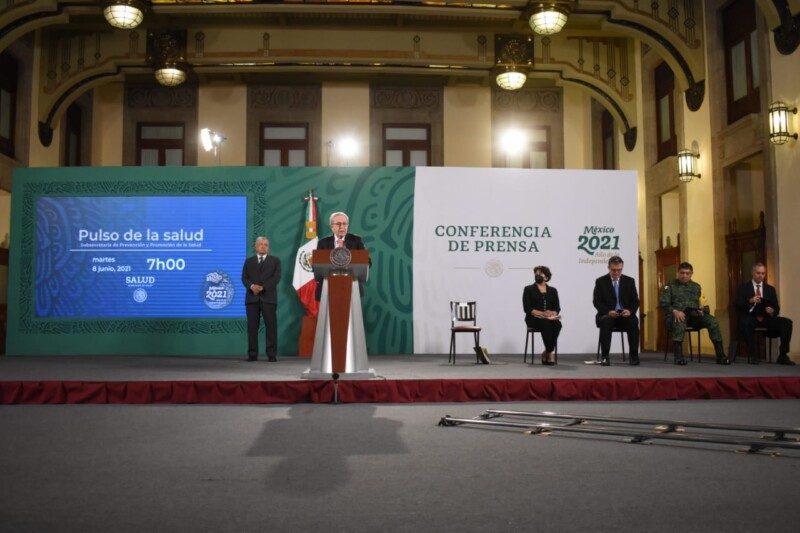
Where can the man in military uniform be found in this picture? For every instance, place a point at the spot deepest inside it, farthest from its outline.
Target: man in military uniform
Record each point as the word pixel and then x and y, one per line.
pixel 681 301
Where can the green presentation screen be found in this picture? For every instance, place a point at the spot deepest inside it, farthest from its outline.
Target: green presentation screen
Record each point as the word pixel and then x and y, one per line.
pixel 147 260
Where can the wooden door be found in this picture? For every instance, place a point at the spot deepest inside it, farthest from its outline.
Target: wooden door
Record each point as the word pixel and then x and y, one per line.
pixel 667 261
pixel 743 249
pixel 3 298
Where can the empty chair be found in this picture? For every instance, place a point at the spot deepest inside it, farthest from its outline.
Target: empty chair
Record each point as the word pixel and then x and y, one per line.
pixel 463 320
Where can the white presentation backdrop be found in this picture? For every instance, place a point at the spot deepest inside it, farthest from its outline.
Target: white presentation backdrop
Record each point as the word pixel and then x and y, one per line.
pixel 479 232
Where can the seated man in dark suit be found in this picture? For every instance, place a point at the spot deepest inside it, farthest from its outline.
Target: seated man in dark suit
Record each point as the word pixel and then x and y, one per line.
pixel 340 224
pixel 757 305
pixel 617 302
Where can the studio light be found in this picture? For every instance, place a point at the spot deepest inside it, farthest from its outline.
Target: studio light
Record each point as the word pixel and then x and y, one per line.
pixel 513 141
pixel 212 140
pixel 170 75
pixel 779 123
pixel 687 165
pixel 124 14
pixel 548 18
pixel 511 80
pixel 347 148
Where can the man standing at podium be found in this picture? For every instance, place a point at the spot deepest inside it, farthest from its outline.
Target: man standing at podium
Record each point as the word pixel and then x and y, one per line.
pixel 340 223
pixel 260 276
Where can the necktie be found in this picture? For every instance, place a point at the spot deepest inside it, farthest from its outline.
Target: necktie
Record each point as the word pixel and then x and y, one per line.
pixel 339 242
pixel 260 259
pixel 759 318
pixel 616 294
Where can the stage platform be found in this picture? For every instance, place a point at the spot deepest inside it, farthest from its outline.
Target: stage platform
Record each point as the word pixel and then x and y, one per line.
pixel 403 379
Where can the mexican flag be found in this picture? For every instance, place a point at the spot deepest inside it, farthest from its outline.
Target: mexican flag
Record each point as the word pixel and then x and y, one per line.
pixel 303 280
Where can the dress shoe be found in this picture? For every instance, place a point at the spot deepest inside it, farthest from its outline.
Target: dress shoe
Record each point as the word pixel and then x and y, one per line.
pixel 680 361
pixel 723 360
pixel 250 359
pixel 783 359
pixel 272 359
pixel 605 361
pixel 634 361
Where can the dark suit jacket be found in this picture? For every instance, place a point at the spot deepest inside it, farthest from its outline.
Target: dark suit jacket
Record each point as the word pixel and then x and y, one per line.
pixel 604 299
pixel 351 242
pixel 769 298
pixel 267 274
pixel 533 299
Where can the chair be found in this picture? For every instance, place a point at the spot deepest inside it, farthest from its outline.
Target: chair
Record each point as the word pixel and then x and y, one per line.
pixel 689 331
pixel 530 335
pixel 460 314
pixel 759 337
pixel 621 338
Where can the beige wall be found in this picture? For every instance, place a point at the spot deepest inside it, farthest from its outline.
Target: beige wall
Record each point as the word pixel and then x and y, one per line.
pixel 467 126
pixel 635 160
pixel 345 113
pixel 222 107
pixel 41 156
pixel 701 247
pixel 786 87
pixel 577 128
pixel 107 125
pixel 5 216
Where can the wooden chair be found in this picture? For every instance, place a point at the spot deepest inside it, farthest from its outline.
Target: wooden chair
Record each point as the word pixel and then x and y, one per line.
pixel 463 320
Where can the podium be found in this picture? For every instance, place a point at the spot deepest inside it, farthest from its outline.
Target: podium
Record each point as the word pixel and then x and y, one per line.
pixel 340 346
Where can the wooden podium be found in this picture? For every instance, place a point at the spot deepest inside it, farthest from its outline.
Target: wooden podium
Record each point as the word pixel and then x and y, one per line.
pixel 339 343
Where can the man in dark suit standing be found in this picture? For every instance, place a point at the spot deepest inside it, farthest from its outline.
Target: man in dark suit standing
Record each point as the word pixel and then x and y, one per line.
pixel 757 305
pixel 260 276
pixel 340 224
pixel 617 302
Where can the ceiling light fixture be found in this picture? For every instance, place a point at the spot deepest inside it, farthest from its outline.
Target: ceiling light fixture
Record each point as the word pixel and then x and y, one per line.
pixel 511 79
pixel 170 75
pixel 548 18
pixel 124 14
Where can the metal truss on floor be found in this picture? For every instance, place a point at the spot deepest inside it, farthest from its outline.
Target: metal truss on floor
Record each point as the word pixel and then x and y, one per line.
pixel 754 439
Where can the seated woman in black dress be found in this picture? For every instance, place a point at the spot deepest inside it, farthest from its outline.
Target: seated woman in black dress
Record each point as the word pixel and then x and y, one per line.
pixel 542 309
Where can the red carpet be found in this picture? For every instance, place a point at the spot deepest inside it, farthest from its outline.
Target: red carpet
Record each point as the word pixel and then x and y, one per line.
pixel 396 391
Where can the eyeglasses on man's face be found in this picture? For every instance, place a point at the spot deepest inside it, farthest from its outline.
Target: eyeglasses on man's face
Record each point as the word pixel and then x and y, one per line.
pixel 340 224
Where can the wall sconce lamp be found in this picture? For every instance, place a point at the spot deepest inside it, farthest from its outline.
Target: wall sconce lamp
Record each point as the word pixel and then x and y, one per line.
pixel 779 123
pixel 687 165
pixel 124 14
pixel 549 18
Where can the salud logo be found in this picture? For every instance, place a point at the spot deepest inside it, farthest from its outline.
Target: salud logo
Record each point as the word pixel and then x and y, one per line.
pixel 139 295
pixel 217 290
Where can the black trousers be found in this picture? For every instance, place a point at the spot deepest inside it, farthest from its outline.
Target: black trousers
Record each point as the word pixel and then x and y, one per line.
pixel 548 328
pixel 629 325
pixel 254 312
pixel 777 326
